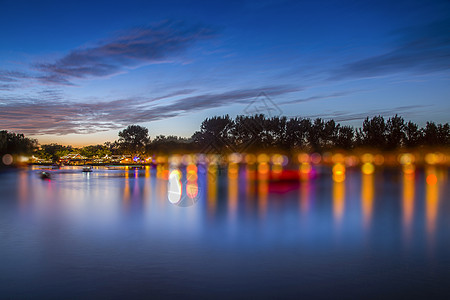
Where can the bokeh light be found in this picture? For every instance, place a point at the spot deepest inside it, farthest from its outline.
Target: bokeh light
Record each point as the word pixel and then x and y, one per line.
pixel 367 168
pixel 431 179
pixel 174 188
pixel 7 159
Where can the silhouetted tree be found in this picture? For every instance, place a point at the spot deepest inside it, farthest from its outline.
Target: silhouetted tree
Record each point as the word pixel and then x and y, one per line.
pixel 373 132
pixel 133 139
pixel 413 136
pixel 247 133
pixel 314 134
pixel 329 134
pixel 95 151
pixel 170 144
pixel 53 151
pixel 296 132
pixel 13 143
pixel 215 132
pixel 443 133
pixel 430 134
pixel 395 134
pixel 274 132
pixel 345 137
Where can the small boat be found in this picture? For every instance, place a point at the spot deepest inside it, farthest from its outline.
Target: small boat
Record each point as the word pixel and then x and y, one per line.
pixel 44 175
pixel 56 166
pixel 87 169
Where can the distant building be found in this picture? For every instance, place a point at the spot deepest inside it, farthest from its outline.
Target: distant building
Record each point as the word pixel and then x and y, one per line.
pixel 73 158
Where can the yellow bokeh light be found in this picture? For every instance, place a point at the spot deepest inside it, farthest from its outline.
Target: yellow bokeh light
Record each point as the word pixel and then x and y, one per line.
pixel 250 159
pixel 191 168
pixel 233 170
pixel 263 168
pixel 338 169
pixel 277 159
pixel 305 168
pixel 263 158
pixel 338 158
pixel 406 158
pixel 368 168
pixel 409 168
pixel 303 158
pixel 367 158
pixel 339 177
pixel 234 158
pixel 431 158
pixel 191 176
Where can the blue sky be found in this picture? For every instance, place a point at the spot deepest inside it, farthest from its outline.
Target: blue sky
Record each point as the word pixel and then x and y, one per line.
pixel 78 72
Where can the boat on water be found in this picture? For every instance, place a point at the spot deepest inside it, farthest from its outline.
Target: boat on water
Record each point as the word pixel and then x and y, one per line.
pixel 87 169
pixel 45 175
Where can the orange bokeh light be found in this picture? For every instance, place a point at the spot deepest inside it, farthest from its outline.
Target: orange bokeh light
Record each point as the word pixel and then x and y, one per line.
pixel 431 179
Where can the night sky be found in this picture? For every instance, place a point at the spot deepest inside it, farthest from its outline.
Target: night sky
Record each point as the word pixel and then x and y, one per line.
pixel 77 73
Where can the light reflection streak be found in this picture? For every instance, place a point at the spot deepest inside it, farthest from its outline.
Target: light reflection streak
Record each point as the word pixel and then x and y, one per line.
pixel 162 192
pixel 212 188
pixel 232 194
pixel 338 201
pixel 263 190
pixel 305 170
pixel 408 202
pixel 147 181
pixel 367 193
pixel 23 189
pixel 251 176
pixel 304 195
pixel 136 190
pixel 126 189
pixel 263 186
pixel 431 200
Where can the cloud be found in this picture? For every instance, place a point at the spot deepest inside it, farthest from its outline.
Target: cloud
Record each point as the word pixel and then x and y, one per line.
pixel 420 50
pixel 131 48
pixel 319 97
pixel 50 114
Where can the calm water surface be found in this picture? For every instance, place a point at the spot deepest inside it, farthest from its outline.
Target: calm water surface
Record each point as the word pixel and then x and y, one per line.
pixel 114 234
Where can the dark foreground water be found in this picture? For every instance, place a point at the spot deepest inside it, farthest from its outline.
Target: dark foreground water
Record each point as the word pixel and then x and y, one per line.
pixel 114 234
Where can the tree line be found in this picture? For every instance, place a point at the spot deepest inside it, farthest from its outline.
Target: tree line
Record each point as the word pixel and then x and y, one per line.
pixel 254 133
pixel 13 143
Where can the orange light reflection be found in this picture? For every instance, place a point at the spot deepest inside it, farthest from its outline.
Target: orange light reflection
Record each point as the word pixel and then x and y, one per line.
pixel 367 193
pixel 338 200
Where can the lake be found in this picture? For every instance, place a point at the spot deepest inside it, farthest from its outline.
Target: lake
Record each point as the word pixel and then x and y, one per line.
pixel 116 233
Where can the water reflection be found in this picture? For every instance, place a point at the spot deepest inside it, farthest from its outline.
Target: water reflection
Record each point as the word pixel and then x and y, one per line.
pixel 432 200
pixel 212 178
pixel 367 194
pixel 233 190
pixel 408 202
pixel 338 200
pixel 304 196
pixel 123 217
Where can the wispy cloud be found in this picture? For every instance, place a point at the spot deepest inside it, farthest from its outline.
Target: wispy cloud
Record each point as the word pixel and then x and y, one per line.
pixel 49 114
pixel 419 49
pixel 138 46
pixel 319 97
pixel 131 48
